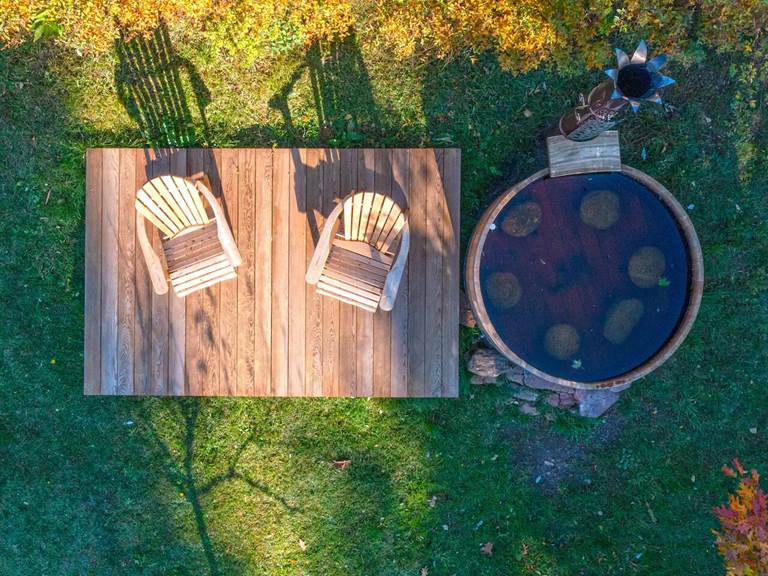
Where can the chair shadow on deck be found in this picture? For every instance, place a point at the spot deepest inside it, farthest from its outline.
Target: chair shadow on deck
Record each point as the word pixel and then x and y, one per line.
pixel 153 84
pixel 346 111
pixel 167 98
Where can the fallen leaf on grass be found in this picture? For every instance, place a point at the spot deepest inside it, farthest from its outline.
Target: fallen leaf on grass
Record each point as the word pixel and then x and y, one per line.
pixel 341 464
pixel 487 549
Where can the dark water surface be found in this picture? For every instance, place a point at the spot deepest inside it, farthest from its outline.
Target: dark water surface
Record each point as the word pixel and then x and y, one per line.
pixel 585 277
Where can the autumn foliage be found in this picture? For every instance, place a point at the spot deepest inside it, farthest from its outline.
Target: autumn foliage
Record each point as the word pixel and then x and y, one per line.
pixel 743 538
pixel 523 33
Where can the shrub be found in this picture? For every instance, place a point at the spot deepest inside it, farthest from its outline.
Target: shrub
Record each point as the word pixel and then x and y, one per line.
pixel 523 33
pixel 93 25
pixel 743 539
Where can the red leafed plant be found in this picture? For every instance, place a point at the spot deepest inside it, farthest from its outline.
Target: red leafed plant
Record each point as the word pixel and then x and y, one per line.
pixel 743 538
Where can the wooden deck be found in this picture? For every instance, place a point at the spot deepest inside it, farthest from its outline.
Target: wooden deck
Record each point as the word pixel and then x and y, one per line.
pixel 267 333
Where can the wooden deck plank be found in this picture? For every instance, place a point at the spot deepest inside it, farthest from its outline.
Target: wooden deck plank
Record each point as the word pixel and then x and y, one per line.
pixel 194 365
pixel 347 313
pixel 280 241
pixel 158 382
pixel 297 268
pixel 93 195
pixel 228 291
pixel 262 233
pixel 208 355
pixel 246 295
pixel 417 299
pixel 314 220
pixel 331 307
pixel 366 172
pixel 451 177
pixel 110 179
pixel 266 333
pixel 399 320
pixel 177 319
pixel 382 368
pixel 142 329
pixel 433 314
pixel 126 288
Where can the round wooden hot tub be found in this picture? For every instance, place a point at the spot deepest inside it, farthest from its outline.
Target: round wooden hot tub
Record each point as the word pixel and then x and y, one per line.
pixel 589 280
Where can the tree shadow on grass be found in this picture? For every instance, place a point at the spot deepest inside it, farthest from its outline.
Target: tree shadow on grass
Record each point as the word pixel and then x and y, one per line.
pixel 180 473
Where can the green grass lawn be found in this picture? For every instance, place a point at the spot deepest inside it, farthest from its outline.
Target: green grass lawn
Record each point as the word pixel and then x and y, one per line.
pixel 110 486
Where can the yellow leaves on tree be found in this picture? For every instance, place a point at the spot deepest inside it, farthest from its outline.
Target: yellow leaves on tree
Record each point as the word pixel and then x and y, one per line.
pixel 93 25
pixel 522 33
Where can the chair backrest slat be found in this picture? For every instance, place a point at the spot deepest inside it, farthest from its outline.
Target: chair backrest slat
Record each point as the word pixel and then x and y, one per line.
pixel 388 242
pixel 171 199
pixel 152 210
pixel 348 218
pixel 194 195
pixel 158 192
pixel 184 212
pixel 365 213
pixel 387 208
pixel 373 218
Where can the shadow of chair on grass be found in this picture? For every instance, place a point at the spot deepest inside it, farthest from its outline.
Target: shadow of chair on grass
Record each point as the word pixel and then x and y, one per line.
pixel 346 110
pixel 153 82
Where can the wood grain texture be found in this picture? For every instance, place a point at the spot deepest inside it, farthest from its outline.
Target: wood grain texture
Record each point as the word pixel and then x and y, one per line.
pixel 263 239
pixel 601 154
pixel 451 178
pixel 177 313
pixel 417 260
pixel 158 382
pixel 266 332
pixel 347 312
pixel 279 289
pixel 331 194
pixel 364 329
pixel 209 359
pixel 297 267
pixel 126 273
pixel 313 385
pixel 228 291
pixel 246 278
pixel 399 316
pixel 195 321
pixel 110 178
pixel 436 212
pixel 382 185
pixel 93 194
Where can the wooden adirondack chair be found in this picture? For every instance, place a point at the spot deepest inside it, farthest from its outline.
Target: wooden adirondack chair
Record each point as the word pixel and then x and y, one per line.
pixel 198 247
pixel 363 265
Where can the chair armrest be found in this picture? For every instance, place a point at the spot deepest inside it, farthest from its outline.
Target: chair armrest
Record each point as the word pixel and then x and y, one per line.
pixel 224 232
pixel 154 265
pixel 323 247
pixel 392 283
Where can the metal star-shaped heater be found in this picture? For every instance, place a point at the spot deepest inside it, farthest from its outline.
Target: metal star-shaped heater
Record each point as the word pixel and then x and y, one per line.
pixel 638 78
